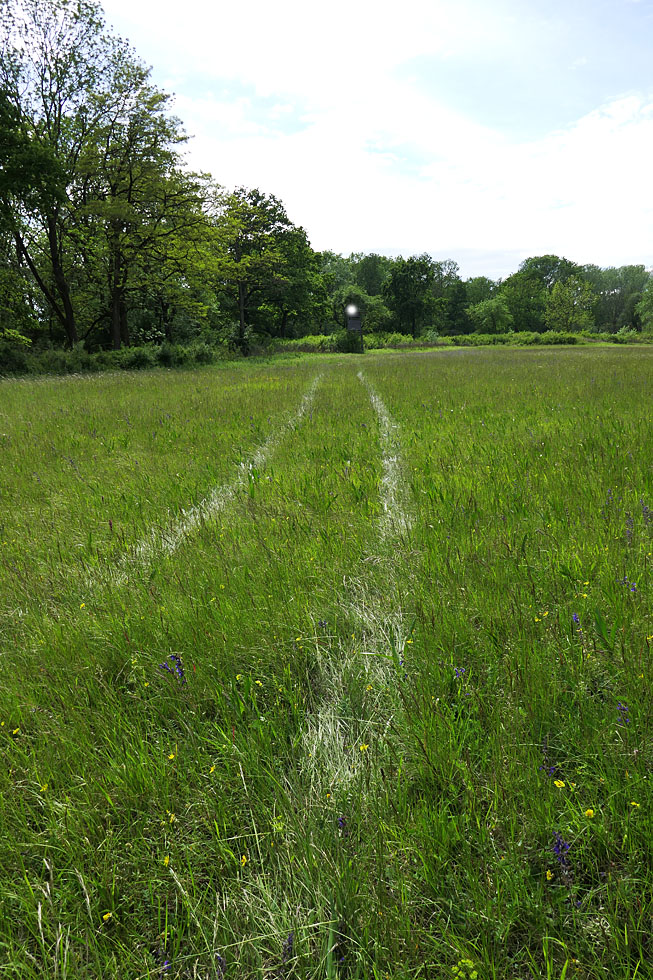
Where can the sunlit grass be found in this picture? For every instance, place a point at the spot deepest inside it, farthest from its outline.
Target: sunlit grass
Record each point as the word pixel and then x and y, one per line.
pixel 377 750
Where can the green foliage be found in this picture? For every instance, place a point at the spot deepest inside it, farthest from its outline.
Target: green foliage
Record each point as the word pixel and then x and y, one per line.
pixel 480 288
pixel 347 342
pixel 407 291
pixel 644 308
pixel 525 297
pixel 491 315
pixel 569 305
pixel 371 272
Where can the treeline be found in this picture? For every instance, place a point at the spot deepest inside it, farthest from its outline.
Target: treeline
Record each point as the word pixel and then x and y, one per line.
pixel 108 240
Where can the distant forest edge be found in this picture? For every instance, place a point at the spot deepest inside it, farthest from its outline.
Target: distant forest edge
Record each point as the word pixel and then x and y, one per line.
pixel 109 242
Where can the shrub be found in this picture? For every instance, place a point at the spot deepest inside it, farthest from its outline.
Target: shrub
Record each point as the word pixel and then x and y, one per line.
pixel 13 359
pixel 136 358
pixel 625 335
pixel 347 342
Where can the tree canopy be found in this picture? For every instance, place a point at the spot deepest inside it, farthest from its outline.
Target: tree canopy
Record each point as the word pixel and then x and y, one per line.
pixel 107 238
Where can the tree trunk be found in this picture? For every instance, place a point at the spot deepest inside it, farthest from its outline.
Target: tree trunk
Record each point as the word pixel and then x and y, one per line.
pixel 124 324
pixel 59 276
pixel 116 300
pixel 67 321
pixel 115 318
pixel 241 318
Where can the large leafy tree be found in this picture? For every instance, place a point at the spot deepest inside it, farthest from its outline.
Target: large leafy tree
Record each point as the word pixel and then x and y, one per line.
pixel 254 245
pixel 371 271
pixel 525 296
pixel 479 288
pixel 110 215
pixel 297 299
pixel 644 308
pixel 569 305
pixel 57 69
pixel 140 218
pixel 491 315
pixel 618 291
pixel 407 291
pixel 547 270
pixel 28 173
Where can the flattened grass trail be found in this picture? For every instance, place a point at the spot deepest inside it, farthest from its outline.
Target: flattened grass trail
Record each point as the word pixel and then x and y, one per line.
pixel 386 715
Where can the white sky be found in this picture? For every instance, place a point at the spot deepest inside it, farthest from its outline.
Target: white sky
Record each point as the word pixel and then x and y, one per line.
pixel 479 130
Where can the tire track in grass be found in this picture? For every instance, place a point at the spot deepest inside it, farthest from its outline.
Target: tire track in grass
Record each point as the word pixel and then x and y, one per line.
pixel 333 741
pixel 396 518
pixel 163 542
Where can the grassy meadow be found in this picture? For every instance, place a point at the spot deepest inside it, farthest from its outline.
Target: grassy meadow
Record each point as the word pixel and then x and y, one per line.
pixel 329 669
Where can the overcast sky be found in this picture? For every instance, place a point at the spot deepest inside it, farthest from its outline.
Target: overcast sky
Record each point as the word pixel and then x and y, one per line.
pixel 479 130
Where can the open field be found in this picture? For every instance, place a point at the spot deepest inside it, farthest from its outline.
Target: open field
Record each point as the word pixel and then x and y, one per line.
pixel 330 669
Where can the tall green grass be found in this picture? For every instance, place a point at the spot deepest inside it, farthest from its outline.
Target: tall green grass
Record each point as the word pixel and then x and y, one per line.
pixel 377 749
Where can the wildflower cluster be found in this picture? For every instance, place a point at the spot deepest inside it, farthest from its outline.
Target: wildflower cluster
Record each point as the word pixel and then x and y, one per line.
pixel 550 770
pixel 177 667
pixel 631 585
pixel 560 848
pixel 622 718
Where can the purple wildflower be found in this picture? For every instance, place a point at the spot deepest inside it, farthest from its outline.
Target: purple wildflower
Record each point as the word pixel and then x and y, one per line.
pixel 178 669
pixel 560 848
pixel 623 718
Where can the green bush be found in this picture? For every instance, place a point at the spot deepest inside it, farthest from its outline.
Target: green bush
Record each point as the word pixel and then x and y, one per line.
pixel 347 342
pixel 625 336
pixel 14 359
pixel 136 358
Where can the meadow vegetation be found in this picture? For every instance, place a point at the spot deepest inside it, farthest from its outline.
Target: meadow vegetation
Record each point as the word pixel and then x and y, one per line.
pixel 329 668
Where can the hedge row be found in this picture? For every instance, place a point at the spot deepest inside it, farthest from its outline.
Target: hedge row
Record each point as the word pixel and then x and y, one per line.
pixel 20 360
pixel 16 360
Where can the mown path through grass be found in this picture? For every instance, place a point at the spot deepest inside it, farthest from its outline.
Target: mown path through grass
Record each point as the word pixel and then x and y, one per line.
pixel 166 540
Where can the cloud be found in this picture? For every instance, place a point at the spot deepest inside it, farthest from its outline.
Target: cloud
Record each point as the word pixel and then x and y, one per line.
pixel 318 106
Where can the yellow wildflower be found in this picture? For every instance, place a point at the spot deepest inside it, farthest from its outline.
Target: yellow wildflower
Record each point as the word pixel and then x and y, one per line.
pixel 212 769
pixel 632 803
pixel 560 783
pixel 243 861
pixel 589 813
pixel 166 860
pixel 549 875
pixel 363 747
pixel 107 916
pixel 83 605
